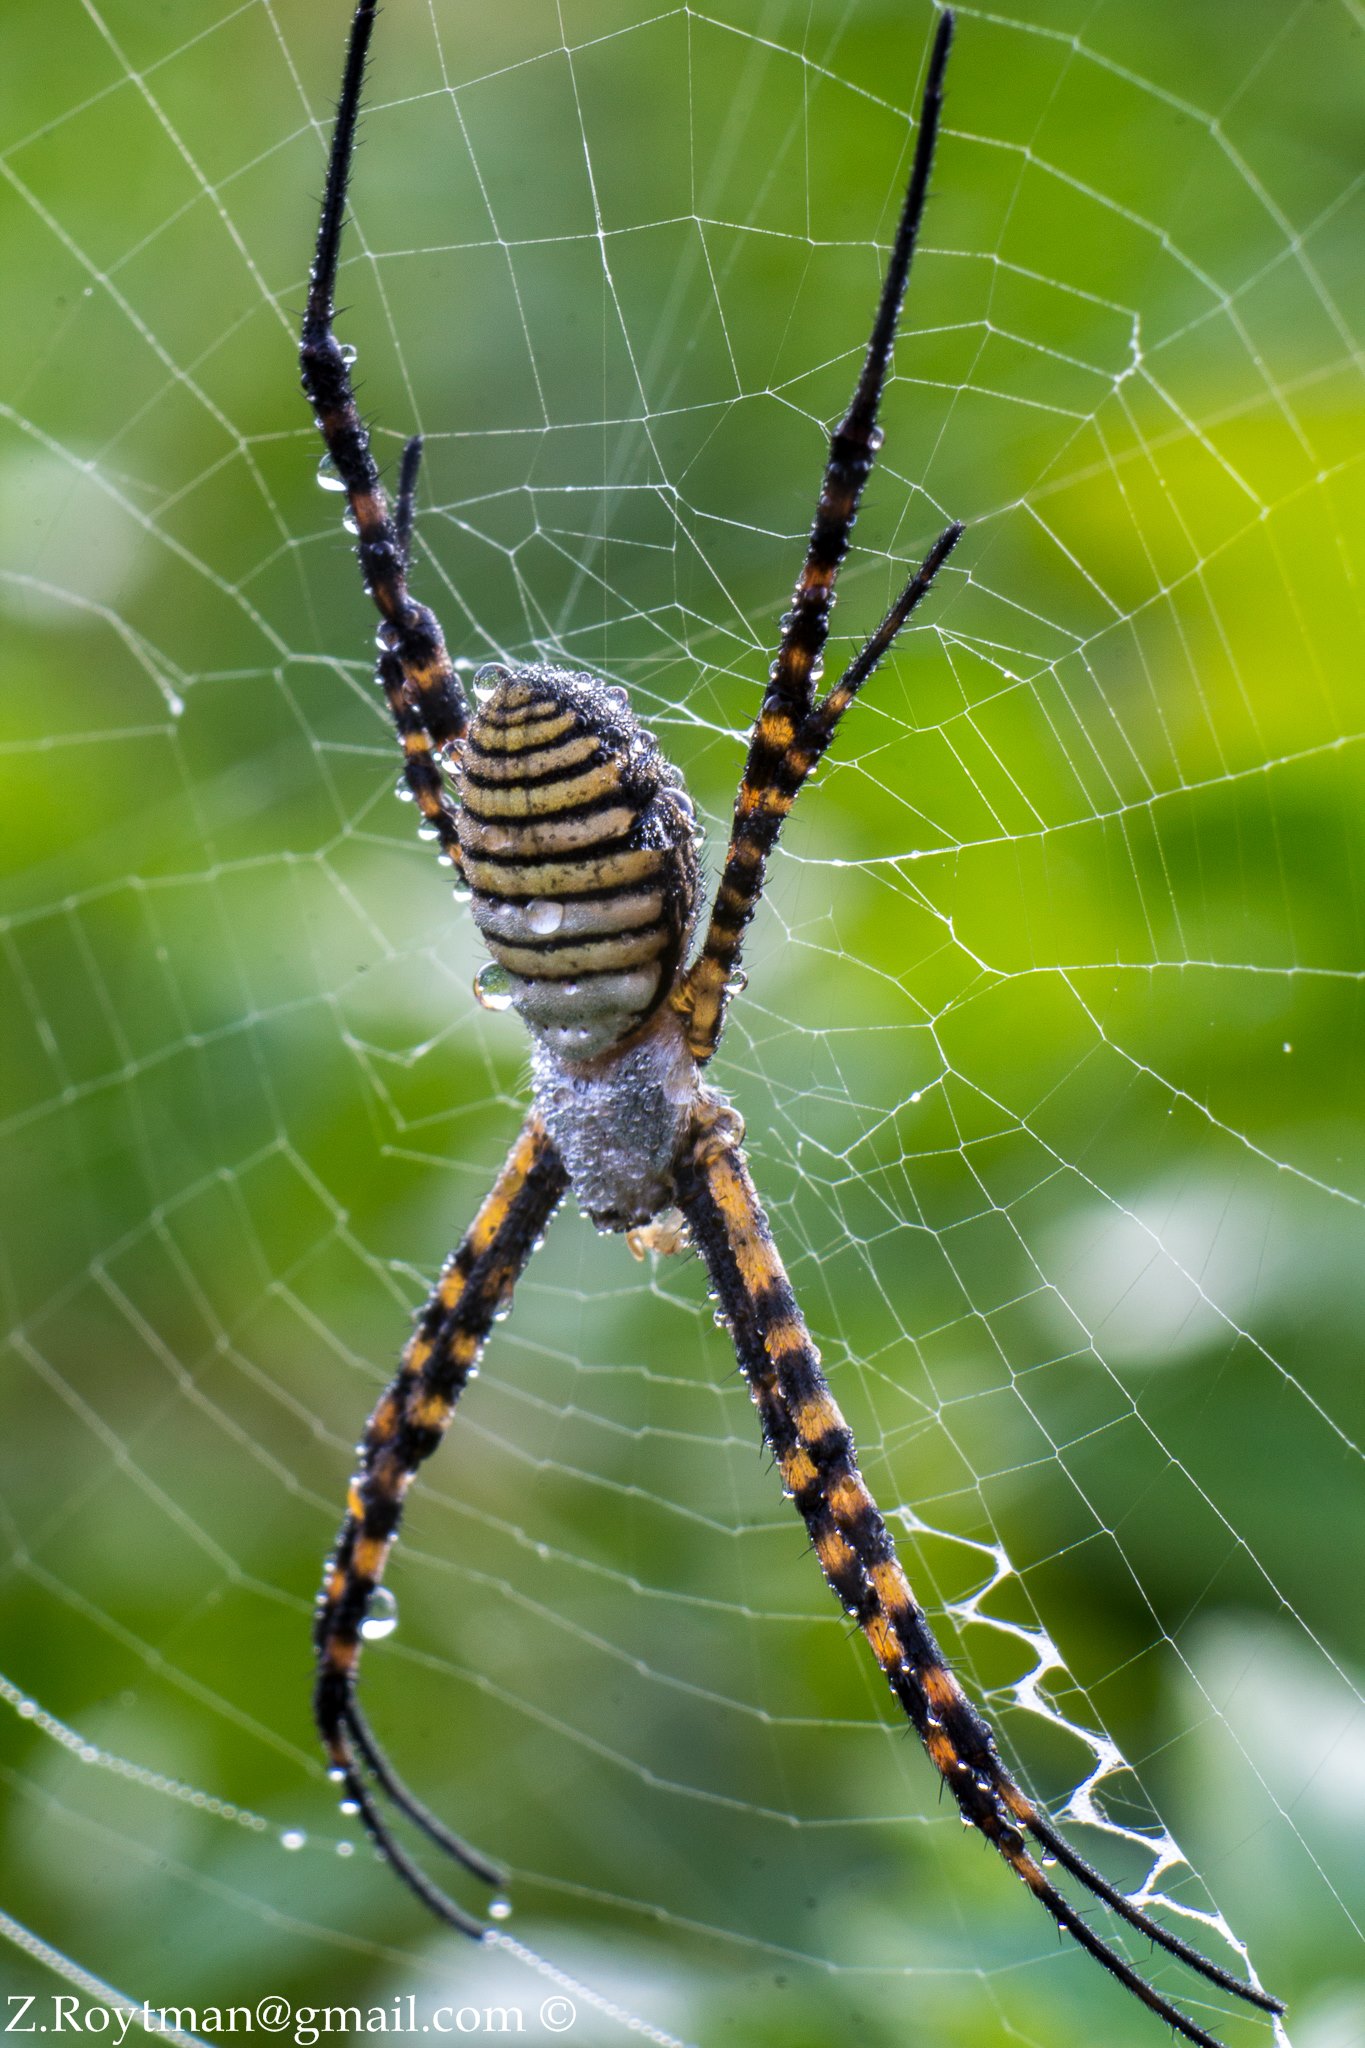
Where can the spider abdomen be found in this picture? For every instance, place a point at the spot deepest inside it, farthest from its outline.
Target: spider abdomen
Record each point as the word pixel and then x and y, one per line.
pixel 578 847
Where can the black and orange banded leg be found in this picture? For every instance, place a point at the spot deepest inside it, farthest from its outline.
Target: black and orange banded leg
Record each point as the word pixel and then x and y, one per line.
pixel 412 1417
pixel 428 706
pixel 815 1455
pixel 792 730
pixel 782 755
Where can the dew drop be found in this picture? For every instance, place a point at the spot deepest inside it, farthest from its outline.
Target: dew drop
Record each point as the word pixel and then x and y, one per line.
pixel 293 1838
pixel 487 678
pixel 345 1848
pixel 350 522
pixel 499 1909
pixel 350 1806
pixel 493 987
pixel 544 916
pixel 617 695
pixel 337 1774
pixel 428 830
pixel 381 1620
pixel 402 792
pixel 737 983
pixel 328 480
pixel 349 354
pixel 462 892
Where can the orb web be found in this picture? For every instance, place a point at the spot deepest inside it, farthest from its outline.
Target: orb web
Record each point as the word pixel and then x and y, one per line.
pixel 1049 1053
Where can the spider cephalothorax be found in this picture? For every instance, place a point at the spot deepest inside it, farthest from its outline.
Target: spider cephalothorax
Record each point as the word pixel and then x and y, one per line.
pixel 575 843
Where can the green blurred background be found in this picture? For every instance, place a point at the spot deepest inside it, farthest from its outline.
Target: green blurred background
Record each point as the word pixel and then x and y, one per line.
pixel 1051 1056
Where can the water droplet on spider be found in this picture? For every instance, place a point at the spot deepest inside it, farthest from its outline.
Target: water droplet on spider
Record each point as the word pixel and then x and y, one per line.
pixel 328 480
pixel 293 1838
pixel 493 987
pixel 402 792
pixel 345 1848
pixel 350 1807
pixel 487 678
pixel 544 916
pixel 617 695
pixel 350 522
pixel 737 983
pixel 349 354
pixel 445 860
pixel 337 1774
pixel 499 1909
pixel 382 1618
pixel 874 440
pixel 462 891
pixel 428 830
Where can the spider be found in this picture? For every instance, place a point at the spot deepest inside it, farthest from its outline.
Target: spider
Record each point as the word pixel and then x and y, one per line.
pixel 576 844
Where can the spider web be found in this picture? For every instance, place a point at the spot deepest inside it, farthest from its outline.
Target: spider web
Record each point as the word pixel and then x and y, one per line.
pixel 1050 1055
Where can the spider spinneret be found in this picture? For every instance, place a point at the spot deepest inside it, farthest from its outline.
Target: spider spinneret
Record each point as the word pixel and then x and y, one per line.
pixel 576 846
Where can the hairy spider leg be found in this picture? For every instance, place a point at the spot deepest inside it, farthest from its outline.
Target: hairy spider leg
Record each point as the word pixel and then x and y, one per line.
pixel 412 1417
pixel 428 706
pixel 782 756
pixel 815 1455
pixel 783 730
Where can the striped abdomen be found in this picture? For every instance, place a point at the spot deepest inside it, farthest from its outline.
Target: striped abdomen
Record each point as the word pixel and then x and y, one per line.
pixel 578 846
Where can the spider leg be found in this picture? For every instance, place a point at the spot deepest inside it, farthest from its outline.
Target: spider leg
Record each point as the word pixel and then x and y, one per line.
pixel 428 706
pixel 792 731
pixel 412 1416
pixel 815 1454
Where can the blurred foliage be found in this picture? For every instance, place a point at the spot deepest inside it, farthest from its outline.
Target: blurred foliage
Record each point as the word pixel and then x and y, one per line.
pixel 1051 1057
